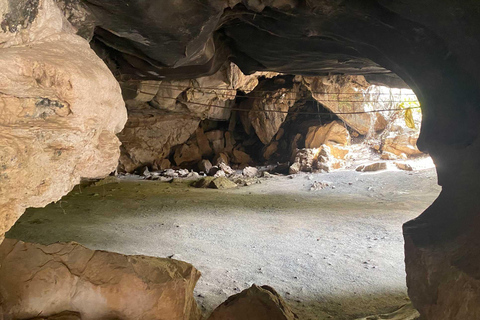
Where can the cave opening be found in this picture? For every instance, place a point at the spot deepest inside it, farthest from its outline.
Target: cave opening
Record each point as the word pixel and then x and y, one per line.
pixel 296 209
pixel 175 99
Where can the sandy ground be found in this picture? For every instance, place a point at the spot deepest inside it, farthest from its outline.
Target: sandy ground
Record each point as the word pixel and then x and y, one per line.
pixel 335 253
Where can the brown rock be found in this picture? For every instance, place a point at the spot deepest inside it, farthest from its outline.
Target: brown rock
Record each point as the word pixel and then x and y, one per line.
pixel 332 132
pixel 404 166
pixel 222 183
pixel 241 157
pixel 205 166
pixel 324 88
pixel 267 124
pixel 203 183
pixel 163 164
pixel 149 139
pixel 53 130
pixel 337 151
pixel 372 167
pixel 270 150
pixel 187 154
pixel 221 158
pixel 401 144
pixel 306 159
pixel 203 143
pixel 255 303
pixel 96 284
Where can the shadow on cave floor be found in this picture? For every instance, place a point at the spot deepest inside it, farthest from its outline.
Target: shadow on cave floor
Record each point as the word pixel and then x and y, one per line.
pixel 335 253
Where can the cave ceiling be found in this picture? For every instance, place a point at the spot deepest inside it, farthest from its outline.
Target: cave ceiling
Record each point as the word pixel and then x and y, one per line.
pixel 185 39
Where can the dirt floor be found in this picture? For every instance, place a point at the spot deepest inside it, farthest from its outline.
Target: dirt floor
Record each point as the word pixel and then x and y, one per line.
pixel 335 253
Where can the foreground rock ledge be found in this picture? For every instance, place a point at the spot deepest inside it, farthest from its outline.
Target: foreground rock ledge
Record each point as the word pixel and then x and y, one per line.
pixel 254 303
pixel 69 278
pixel 61 108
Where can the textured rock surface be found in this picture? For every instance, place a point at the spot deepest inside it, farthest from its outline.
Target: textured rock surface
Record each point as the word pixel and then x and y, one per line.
pixel 399 144
pixel 37 279
pixel 266 124
pixel 346 94
pixel 255 303
pixel 53 130
pixel 149 139
pixel 333 132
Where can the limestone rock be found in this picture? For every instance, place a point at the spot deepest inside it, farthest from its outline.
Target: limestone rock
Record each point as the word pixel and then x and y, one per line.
pixel 306 159
pixel 96 284
pixel 163 164
pixel 372 167
pixel 222 183
pixel 255 303
pixel 294 168
pixel 404 166
pixel 201 96
pixel 226 168
pixel 332 132
pixel 388 156
pixel 401 144
pixel 221 158
pixel 265 123
pixel 270 150
pixel 241 157
pixel 331 157
pixel 53 130
pixel 205 166
pixel 203 143
pixel 250 172
pixel 187 153
pixel 215 183
pixel 325 90
pixel 147 139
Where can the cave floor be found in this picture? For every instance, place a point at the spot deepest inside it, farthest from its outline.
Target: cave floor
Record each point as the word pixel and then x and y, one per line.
pixel 335 253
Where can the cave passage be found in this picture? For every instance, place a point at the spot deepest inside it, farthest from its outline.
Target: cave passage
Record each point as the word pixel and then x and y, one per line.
pixel 318 218
pixel 332 254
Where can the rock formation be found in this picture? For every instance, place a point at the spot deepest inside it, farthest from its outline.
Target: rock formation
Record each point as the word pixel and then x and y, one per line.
pixel 53 130
pixel 254 303
pixel 342 94
pixel 59 101
pixel 71 279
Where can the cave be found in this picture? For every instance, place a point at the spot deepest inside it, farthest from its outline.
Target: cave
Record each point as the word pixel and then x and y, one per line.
pixel 98 96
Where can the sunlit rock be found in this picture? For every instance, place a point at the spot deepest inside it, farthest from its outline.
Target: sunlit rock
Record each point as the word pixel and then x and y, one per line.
pixel 53 130
pixel 47 280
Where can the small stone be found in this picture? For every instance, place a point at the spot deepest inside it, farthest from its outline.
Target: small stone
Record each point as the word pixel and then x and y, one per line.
pixel 404 166
pixel 250 172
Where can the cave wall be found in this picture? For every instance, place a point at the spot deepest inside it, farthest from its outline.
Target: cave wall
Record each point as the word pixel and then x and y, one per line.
pixel 53 119
pixel 53 129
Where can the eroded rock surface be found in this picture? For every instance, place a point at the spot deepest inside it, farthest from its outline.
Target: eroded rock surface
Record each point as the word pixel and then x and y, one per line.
pixel 69 278
pixel 255 303
pixel 53 130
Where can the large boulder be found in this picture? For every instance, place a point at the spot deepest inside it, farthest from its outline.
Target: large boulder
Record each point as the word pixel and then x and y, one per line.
pixel 332 132
pixel 347 94
pixel 61 108
pixel 147 139
pixel 401 144
pixel 267 110
pixel 49 279
pixel 254 303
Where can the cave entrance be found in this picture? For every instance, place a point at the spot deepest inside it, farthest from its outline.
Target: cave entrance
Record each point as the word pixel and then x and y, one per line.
pixel 323 173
